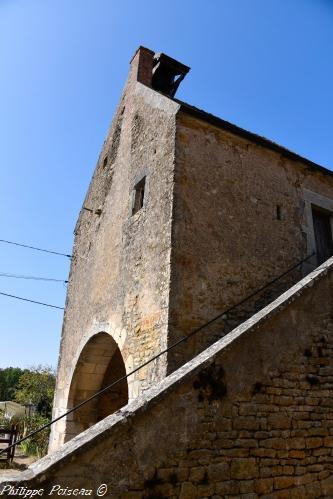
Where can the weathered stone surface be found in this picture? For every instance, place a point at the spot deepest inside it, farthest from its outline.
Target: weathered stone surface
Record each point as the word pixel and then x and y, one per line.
pixel 327 487
pixel 222 214
pixel 187 463
pixel 120 272
pixel 218 471
pixel 282 482
pixel 228 240
pixel 242 469
pixel 263 486
pixel 188 491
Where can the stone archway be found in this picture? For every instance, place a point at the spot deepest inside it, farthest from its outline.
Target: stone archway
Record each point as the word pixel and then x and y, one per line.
pixel 100 364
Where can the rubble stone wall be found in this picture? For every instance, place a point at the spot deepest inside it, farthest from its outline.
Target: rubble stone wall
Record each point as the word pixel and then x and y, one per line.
pixel 251 416
pixel 242 216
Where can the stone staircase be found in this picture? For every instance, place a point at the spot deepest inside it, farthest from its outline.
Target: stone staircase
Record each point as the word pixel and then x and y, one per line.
pixel 251 416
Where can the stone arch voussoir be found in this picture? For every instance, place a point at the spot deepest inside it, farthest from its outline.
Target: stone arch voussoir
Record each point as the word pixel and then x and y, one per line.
pixel 99 364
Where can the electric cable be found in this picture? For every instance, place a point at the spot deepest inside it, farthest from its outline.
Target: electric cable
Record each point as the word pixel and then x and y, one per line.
pixel 34 248
pixel 35 278
pixel 155 357
pixel 31 301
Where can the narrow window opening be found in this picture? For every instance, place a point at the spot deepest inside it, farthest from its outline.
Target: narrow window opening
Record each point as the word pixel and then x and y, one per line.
pixel 278 212
pixel 105 162
pixel 139 194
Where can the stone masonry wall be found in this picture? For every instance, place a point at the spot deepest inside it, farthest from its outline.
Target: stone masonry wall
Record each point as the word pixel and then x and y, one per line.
pixel 252 416
pixel 240 219
pixel 119 279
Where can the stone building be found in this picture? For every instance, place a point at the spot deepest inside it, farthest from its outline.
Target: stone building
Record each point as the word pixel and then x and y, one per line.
pixel 185 217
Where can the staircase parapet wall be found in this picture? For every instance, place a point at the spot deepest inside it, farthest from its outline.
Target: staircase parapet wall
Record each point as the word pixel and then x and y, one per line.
pixel 250 414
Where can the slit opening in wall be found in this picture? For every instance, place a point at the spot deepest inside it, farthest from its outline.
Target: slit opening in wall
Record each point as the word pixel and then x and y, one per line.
pixel 278 212
pixel 139 195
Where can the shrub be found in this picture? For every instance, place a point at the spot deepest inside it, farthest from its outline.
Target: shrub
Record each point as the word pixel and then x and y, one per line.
pixel 37 444
pixel 36 387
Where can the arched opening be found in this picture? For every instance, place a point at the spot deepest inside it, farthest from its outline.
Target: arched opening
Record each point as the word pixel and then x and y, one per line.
pixel 99 365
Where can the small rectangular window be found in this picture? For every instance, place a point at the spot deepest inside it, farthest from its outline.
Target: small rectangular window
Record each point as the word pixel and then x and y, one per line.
pixel 139 194
pixel 278 212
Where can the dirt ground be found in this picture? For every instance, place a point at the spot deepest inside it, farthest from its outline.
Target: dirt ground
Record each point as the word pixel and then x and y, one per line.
pixel 20 462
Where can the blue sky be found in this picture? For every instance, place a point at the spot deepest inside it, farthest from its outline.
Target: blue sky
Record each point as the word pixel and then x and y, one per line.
pixel 265 65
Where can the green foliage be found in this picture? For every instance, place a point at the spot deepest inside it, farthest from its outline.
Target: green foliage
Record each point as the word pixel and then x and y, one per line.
pixel 9 378
pixel 36 387
pixel 37 444
pixel 5 420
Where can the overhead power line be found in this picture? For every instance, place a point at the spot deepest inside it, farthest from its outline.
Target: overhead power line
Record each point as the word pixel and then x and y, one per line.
pixel 34 248
pixel 35 278
pixel 31 301
pixel 183 339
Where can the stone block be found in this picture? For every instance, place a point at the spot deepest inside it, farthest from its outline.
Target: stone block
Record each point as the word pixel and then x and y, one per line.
pixel 313 442
pixel 297 454
pixel 225 488
pixel 234 453
pixel 274 443
pixel 328 442
pixel 188 491
pixel 197 474
pixel 313 489
pixel 263 486
pixel 263 452
pixel 296 443
pixel 246 423
pixel 279 421
pixel 246 443
pixel 306 478
pixel 283 482
pixel 242 469
pixel 246 486
pixel 218 472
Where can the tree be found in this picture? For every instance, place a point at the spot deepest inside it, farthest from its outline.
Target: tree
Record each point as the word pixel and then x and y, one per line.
pixel 9 378
pixel 36 387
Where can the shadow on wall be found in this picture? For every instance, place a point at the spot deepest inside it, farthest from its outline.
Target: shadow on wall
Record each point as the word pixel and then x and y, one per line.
pixel 99 365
